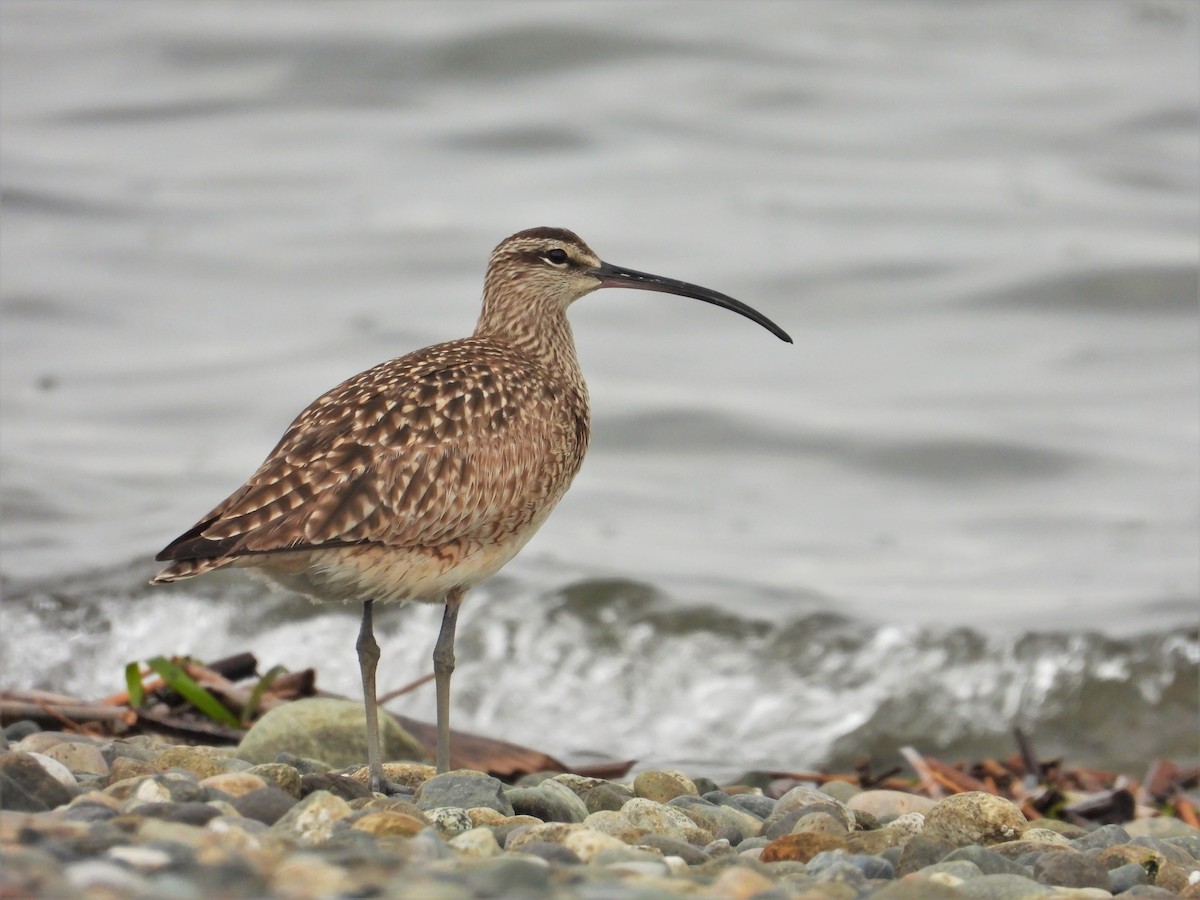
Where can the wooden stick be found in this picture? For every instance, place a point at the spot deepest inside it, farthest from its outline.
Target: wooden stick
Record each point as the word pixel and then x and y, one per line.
pixel 929 781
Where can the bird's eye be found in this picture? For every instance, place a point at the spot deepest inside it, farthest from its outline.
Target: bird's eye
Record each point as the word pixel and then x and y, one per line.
pixel 557 256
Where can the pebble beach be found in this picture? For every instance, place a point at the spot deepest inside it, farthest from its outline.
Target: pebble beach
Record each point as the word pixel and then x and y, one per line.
pixel 134 817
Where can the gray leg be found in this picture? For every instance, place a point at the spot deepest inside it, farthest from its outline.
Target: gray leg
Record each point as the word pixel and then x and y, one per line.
pixel 368 659
pixel 443 666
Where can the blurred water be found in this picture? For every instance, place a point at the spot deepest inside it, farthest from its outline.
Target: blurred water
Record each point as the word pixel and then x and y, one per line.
pixel 968 496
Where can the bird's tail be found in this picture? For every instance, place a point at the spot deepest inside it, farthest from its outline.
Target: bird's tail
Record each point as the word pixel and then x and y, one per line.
pixel 186 568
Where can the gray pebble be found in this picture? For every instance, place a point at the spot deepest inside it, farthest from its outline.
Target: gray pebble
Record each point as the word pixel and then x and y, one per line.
pixel 550 801
pixel 266 805
pixel 1002 887
pixel 989 862
pixel 607 797
pixel 466 790
pixel 1070 868
pixel 1105 836
pixel 670 846
pixel 26 786
pixel 1122 878
pixel 921 851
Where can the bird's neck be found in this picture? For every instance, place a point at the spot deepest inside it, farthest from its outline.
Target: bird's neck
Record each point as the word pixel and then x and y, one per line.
pixel 544 337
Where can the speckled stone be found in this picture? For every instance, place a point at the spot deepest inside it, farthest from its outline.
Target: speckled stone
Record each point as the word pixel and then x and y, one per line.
pixel 614 823
pixel 312 820
pixel 79 757
pixel 449 820
pixel 281 775
pixel 203 762
pixel 587 843
pixel 658 818
pixel 478 843
pixel 975 817
pixel 663 786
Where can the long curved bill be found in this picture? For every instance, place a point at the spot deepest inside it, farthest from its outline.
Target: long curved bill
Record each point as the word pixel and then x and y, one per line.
pixel 615 276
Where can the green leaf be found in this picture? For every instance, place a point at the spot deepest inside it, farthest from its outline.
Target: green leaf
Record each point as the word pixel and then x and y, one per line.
pixel 261 688
pixel 184 685
pixel 133 685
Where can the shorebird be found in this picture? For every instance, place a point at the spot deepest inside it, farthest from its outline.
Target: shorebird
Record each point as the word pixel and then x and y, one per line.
pixel 419 478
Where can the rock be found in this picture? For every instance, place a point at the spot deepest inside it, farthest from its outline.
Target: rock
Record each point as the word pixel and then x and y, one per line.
pixel 79 758
pixel 954 871
pixel 896 833
pixel 883 804
pixel 658 818
pixel 478 843
pixel 917 889
pixel 741 883
pixel 921 851
pixel 281 775
pixel 550 801
pixel 545 832
pixel 754 804
pixel 871 867
pixel 716 818
pixel 464 789
pixel 1071 868
pixel 1002 887
pixel 309 876
pixel 801 847
pixel 26 785
pixel 192 813
pixel 820 822
pixel 234 784
pixel 669 846
pixel 988 861
pixel 607 796
pixel 614 823
pixel 663 786
pixel 340 785
pixel 408 775
pixel 578 784
pixel 1122 878
pixel 587 843
pixel 1105 836
pixel 324 728
pixel 267 804
pixel 312 819
pixel 386 821
pixel 123 768
pixel 975 817
pixel 800 802
pixel 203 762
pixel 551 852
pixel 449 820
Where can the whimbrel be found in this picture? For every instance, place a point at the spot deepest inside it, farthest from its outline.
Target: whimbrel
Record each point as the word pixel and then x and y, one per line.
pixel 421 477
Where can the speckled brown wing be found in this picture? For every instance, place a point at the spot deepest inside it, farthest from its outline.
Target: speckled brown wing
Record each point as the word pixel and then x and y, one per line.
pixel 464 440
